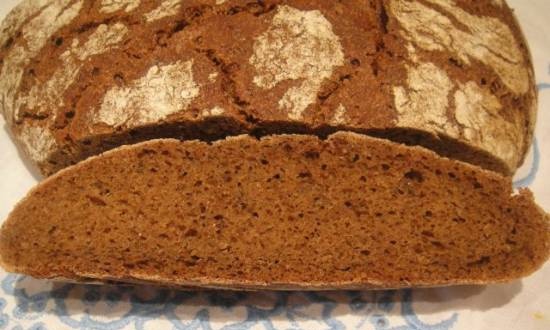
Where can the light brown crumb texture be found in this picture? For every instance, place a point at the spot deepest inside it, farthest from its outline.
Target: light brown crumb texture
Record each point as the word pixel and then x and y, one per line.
pixel 282 212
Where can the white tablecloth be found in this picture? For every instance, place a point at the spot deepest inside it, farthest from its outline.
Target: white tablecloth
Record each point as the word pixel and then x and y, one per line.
pixel 31 304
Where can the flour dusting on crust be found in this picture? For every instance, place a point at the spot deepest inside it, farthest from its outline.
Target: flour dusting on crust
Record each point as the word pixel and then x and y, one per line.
pixel 36 33
pixel 37 141
pixel 485 39
pixel 111 6
pixel 164 90
pixel 45 98
pixel 424 102
pixel 477 110
pixel 340 117
pixel 215 111
pixel 17 17
pixel 299 45
pixel 165 9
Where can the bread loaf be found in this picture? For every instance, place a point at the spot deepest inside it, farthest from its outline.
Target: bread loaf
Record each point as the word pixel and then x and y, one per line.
pixel 284 212
pixel 78 77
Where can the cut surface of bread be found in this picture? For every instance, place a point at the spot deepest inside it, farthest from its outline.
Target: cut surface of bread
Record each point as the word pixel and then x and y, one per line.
pixel 283 212
pixel 79 77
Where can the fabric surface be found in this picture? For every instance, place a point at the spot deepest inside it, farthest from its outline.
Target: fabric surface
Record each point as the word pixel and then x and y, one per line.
pixel 26 303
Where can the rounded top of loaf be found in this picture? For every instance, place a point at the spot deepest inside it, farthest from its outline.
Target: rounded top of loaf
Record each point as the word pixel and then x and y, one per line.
pixel 78 77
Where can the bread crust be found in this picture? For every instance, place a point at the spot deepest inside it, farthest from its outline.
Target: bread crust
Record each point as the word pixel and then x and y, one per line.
pixel 111 73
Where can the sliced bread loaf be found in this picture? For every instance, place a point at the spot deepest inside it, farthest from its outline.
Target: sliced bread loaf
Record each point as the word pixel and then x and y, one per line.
pixel 78 77
pixel 284 212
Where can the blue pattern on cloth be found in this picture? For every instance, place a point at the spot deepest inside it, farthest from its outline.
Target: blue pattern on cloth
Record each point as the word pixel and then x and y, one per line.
pixel 83 307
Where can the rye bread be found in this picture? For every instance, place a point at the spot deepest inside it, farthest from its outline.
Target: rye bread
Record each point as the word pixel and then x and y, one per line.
pixel 283 212
pixel 78 77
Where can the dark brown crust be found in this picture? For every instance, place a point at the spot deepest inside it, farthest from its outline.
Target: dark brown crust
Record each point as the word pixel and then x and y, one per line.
pixel 477 233
pixel 375 61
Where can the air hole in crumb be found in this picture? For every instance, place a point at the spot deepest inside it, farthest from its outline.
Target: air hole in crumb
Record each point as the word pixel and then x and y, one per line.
pixel 365 252
pixel 363 179
pixel 192 262
pixel 264 162
pixel 218 217
pixel 305 174
pixel 437 244
pixel 428 214
pixel 385 167
pixel 427 233
pixel 459 220
pixel 191 233
pixel 481 261
pixel 355 62
pixel 355 158
pixel 375 67
pixel 452 175
pixel 311 154
pixel 146 152
pixel 96 200
pixel 59 41
pixel 415 176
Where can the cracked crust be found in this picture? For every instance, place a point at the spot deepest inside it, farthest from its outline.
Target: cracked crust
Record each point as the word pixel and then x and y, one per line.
pixel 92 80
